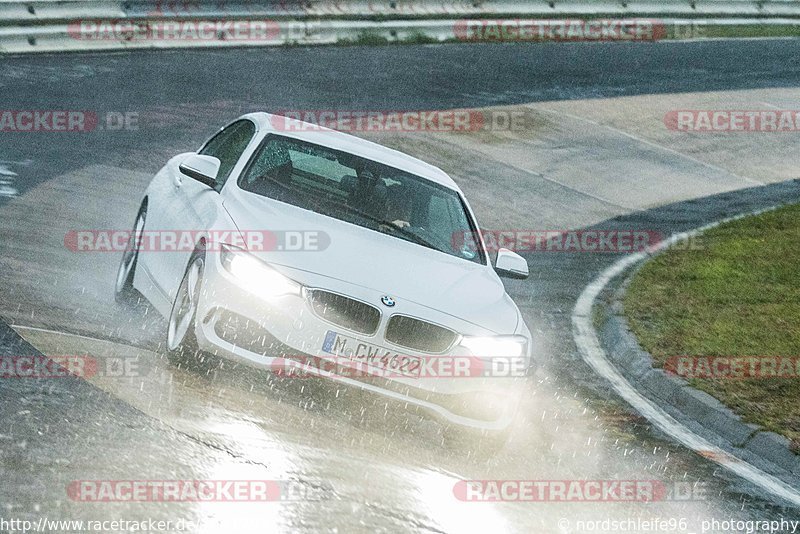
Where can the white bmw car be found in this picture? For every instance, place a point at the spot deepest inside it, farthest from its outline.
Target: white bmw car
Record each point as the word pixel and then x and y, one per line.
pixel 389 271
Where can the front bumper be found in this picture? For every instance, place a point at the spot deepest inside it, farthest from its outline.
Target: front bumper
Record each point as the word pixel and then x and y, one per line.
pixel 283 331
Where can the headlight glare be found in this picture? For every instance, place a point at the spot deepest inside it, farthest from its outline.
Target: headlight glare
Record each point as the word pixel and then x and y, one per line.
pixel 496 346
pixel 256 275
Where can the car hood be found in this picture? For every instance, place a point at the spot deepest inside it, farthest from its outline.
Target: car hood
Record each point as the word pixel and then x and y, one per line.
pixel 459 288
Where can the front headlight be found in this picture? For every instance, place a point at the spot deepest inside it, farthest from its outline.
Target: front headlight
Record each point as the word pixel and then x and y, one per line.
pixel 496 346
pixel 256 275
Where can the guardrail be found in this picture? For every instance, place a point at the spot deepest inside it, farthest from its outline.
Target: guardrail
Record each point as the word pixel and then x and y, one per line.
pixel 66 25
pixel 43 10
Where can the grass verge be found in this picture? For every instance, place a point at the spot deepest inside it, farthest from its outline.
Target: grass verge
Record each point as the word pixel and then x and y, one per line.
pixel 737 296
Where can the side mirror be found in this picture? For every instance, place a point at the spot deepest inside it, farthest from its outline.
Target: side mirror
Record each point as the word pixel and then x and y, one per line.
pixel 204 169
pixel 511 265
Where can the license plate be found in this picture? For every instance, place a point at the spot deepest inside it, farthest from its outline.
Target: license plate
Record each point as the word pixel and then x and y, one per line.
pixel 385 361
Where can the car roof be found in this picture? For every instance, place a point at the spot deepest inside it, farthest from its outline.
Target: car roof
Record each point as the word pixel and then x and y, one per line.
pixel 351 144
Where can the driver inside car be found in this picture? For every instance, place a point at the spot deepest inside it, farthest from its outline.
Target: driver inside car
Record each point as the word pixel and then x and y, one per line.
pixel 398 208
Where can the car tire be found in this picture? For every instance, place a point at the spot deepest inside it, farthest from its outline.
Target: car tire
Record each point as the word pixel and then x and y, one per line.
pixel 124 292
pixel 181 340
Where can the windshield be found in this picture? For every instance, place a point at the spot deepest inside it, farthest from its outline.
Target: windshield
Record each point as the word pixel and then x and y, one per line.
pixel 363 192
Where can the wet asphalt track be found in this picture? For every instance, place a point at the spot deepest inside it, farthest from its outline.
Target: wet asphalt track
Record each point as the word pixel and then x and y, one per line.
pixel 380 467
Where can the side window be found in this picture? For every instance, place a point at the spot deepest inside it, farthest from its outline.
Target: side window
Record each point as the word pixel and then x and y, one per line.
pixel 228 146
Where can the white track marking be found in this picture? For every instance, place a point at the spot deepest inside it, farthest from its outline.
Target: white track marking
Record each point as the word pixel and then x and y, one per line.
pixel 592 352
pixel 7 180
pixel 5 171
pixel 18 327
